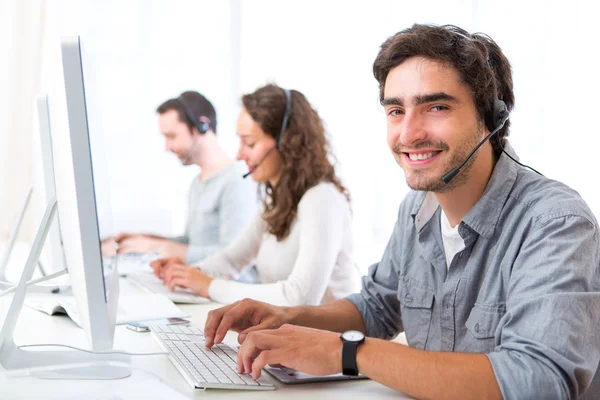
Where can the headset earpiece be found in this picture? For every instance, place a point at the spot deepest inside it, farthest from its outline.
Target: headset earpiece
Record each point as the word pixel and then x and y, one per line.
pixel 202 126
pixel 286 116
pixel 500 112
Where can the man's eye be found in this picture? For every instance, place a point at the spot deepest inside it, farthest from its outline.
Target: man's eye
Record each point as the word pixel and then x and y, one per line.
pixel 438 108
pixel 395 112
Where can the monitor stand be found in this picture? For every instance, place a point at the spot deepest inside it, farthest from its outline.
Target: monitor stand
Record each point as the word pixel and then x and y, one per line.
pixel 4 282
pixel 51 364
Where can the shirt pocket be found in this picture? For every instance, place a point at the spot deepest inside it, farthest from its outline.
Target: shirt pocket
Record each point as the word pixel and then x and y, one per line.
pixel 416 304
pixel 481 326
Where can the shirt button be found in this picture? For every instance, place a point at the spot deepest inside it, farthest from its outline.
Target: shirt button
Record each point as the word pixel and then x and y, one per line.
pixel 477 328
pixel 408 298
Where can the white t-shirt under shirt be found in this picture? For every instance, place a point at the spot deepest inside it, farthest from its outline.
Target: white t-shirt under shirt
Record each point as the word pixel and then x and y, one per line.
pixel 453 242
pixel 312 265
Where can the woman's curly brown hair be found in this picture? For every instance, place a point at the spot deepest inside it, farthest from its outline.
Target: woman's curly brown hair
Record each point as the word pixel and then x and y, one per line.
pixel 304 150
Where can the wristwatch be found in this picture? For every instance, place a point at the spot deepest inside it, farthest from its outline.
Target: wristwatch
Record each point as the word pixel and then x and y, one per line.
pixel 350 342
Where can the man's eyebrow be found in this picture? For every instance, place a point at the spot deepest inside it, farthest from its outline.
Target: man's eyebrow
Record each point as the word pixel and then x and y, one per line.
pixel 428 98
pixel 392 101
pixel 420 99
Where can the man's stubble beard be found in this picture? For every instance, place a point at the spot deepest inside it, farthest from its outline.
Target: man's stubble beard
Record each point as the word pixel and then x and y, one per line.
pixel 424 181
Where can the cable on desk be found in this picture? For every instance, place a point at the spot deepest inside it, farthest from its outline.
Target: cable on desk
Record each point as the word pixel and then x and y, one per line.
pixel 95 351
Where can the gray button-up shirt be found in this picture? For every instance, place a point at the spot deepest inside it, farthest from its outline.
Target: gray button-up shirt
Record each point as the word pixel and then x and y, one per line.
pixel 525 290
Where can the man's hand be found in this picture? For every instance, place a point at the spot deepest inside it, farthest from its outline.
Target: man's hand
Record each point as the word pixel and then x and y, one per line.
pixel 243 317
pixel 137 243
pixel 307 350
pixel 108 247
pixel 175 273
pixel 144 244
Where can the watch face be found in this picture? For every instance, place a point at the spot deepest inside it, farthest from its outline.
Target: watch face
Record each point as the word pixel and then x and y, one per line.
pixel 353 336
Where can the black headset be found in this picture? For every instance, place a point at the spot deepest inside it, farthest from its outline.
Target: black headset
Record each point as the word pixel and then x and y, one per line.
pixel 500 111
pixel 202 126
pixel 499 117
pixel 286 117
pixel 284 125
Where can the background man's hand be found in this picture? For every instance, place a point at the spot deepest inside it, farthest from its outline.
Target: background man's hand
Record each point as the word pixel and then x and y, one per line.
pixel 138 243
pixel 144 244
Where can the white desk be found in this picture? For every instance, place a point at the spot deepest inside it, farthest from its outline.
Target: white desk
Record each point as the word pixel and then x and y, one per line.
pixel 35 327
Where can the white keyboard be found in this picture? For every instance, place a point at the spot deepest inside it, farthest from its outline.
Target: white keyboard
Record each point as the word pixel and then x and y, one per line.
pixel 150 282
pixel 201 367
pixel 131 263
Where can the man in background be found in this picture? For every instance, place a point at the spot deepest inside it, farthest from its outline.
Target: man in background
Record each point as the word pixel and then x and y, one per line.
pixel 221 203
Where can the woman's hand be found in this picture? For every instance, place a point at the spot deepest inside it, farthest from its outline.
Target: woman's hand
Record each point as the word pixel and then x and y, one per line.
pixel 175 273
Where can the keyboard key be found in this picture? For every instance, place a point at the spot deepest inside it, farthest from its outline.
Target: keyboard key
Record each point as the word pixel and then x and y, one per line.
pixel 186 330
pixel 237 380
pixel 175 328
pixel 197 338
pixel 195 330
pixel 248 380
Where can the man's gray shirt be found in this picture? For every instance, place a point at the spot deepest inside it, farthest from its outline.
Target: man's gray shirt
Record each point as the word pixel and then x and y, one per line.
pixel 525 290
pixel 219 209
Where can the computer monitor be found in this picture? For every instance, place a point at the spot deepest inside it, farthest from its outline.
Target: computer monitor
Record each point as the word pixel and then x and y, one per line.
pixel 81 204
pixel 53 242
pixel 96 288
pixel 54 247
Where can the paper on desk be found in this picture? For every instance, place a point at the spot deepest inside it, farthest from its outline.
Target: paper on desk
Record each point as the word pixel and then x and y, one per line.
pixel 138 307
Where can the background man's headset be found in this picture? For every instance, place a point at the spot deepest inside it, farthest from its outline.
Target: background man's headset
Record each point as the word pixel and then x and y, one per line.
pixel 500 116
pixel 284 125
pixel 202 126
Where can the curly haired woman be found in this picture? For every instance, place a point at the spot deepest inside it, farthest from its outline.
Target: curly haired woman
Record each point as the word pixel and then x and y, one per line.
pixel 302 240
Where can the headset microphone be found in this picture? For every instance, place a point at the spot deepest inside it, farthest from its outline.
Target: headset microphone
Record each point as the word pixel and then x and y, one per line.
pixel 247 174
pixel 500 118
pixel 284 124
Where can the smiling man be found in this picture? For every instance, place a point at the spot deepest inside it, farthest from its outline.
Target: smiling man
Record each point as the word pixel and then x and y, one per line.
pixel 492 272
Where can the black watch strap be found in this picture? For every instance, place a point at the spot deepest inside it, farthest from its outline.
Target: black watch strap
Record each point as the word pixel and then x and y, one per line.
pixel 349 366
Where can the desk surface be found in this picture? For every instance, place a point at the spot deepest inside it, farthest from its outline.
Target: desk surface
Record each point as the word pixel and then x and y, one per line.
pixel 35 328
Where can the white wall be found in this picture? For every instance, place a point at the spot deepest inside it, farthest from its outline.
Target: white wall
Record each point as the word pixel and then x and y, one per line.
pixel 142 53
pixel 147 51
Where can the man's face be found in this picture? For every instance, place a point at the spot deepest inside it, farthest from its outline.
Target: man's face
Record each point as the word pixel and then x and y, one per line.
pixel 178 138
pixel 432 123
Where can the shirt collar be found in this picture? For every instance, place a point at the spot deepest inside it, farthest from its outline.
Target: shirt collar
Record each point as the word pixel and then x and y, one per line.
pixel 484 215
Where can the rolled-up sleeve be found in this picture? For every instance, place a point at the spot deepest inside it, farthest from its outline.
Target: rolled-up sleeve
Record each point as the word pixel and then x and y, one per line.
pixel 378 305
pixel 549 346
pixel 377 300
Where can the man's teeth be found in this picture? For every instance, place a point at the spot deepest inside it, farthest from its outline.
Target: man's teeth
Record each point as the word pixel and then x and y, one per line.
pixel 421 156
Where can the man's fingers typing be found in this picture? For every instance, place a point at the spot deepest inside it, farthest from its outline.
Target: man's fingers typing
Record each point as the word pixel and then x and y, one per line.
pixel 213 321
